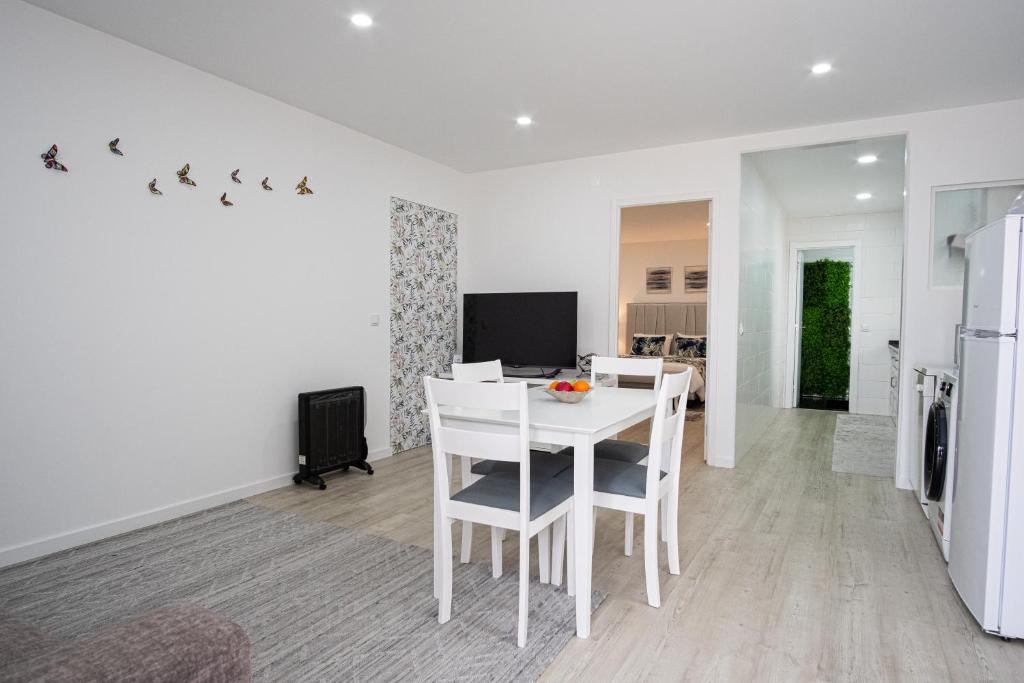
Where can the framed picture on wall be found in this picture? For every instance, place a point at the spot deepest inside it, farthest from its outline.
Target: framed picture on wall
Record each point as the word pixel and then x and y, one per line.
pixel 659 280
pixel 695 278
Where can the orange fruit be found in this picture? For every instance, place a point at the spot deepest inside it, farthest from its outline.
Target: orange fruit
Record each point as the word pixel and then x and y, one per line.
pixel 581 385
pixel 553 386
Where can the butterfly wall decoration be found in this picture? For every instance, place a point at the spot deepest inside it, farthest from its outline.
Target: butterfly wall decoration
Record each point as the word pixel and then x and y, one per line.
pixel 225 201
pixel 234 176
pixel 183 176
pixel 152 187
pixel 50 159
pixel 266 183
pixel 301 187
pixel 113 147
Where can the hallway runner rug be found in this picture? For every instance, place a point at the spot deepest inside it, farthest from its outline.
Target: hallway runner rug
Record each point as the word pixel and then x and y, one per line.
pixel 864 444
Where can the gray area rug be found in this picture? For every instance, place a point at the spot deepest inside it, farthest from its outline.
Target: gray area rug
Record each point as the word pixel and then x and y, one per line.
pixel 864 444
pixel 319 603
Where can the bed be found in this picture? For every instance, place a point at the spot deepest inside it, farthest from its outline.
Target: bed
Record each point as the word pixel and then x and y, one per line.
pixel 671 318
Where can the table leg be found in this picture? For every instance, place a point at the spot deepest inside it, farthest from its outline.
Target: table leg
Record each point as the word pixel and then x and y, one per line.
pixel 583 518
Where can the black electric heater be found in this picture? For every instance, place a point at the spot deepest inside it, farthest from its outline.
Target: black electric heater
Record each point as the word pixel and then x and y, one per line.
pixel 332 433
pixel 533 333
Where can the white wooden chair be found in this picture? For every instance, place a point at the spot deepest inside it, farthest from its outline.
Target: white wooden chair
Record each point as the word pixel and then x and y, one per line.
pixel 488 371
pixel 638 367
pixel 639 489
pixel 548 463
pixel 507 500
pixel 626 451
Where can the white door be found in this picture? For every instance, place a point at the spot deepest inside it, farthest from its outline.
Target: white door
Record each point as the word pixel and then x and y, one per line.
pixel 980 474
pixel 990 277
pixel 798 326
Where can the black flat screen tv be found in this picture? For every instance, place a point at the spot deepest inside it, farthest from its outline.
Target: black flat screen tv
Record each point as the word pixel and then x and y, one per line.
pixel 529 329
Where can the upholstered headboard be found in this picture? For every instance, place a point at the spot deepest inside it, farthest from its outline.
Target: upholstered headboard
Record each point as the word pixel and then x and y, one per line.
pixel 666 318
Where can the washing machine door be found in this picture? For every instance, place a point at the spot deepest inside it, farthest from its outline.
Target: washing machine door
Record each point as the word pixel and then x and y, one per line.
pixel 936 447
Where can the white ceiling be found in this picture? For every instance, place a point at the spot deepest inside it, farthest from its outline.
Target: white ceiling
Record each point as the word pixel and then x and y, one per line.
pixel 447 79
pixel 664 222
pixel 823 180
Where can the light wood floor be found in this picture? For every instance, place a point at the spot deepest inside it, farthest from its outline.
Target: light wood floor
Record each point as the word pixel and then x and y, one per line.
pixel 790 572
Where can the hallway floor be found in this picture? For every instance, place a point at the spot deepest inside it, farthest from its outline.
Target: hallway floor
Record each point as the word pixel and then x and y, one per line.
pixel 790 571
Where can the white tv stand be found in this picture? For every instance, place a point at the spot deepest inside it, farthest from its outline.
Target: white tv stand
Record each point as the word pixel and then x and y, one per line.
pixel 565 375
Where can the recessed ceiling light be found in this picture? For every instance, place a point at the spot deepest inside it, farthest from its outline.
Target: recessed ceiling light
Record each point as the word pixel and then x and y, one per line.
pixel 863 195
pixel 523 121
pixel 821 68
pixel 362 20
pixel 867 159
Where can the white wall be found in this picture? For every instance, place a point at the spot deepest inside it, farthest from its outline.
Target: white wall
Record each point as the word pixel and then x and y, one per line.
pixel 762 305
pixel 570 207
pixel 880 289
pixel 634 260
pixel 152 347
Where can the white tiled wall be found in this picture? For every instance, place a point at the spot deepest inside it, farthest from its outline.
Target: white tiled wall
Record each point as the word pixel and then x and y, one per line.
pixel 761 354
pixel 881 238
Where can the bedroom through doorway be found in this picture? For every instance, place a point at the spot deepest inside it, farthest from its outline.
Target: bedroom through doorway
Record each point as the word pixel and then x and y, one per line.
pixel 663 300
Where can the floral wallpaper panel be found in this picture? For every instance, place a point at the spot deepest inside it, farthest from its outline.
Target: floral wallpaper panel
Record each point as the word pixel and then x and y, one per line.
pixel 423 312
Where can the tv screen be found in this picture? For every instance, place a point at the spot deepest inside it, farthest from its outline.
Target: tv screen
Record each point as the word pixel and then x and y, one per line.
pixel 532 329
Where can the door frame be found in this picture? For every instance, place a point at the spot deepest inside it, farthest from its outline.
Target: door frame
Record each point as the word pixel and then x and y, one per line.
pixel 711 362
pixel 793 315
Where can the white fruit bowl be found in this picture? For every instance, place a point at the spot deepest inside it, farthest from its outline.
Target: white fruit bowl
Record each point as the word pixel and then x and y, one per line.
pixel 568 396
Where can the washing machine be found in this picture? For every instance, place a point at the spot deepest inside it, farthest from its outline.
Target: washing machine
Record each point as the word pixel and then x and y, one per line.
pixel 940 459
pixel 927 380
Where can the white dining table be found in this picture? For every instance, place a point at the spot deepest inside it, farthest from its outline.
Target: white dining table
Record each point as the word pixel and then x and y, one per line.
pixel 605 412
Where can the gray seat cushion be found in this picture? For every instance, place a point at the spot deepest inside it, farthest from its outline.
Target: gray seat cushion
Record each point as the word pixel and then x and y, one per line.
pixel 501 490
pixel 613 449
pixel 541 462
pixel 612 476
pixel 623 451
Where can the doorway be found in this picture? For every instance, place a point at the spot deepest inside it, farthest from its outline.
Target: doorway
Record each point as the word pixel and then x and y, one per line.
pixel 824 309
pixel 661 298
pixel 820 303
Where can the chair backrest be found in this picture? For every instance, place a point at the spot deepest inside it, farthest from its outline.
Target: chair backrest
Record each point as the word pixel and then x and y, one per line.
pixel 639 367
pixel 492 441
pixel 488 371
pixel 666 443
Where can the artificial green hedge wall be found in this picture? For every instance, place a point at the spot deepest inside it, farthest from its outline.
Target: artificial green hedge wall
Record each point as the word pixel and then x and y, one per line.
pixel 825 341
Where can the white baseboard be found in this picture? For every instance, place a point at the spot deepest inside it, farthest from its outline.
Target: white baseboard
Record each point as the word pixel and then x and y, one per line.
pixel 379 454
pixel 51 544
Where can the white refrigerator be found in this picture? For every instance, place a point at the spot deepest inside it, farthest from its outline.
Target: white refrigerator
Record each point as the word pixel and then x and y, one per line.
pixel 986 554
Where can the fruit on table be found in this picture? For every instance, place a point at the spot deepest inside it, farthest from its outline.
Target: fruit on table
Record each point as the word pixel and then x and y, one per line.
pixel 581 385
pixel 564 386
pixel 553 386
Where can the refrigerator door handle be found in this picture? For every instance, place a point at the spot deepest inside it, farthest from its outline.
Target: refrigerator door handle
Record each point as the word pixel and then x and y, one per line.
pixel 958 331
pixel 984 334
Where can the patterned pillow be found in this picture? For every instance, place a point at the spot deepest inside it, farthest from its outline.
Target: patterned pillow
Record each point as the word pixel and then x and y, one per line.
pixel 690 346
pixel 648 345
